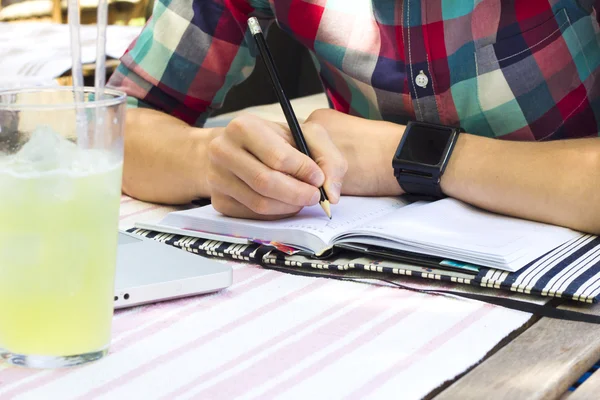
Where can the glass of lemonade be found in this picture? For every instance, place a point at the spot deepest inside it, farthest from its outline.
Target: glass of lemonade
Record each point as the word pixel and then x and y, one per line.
pixel 60 188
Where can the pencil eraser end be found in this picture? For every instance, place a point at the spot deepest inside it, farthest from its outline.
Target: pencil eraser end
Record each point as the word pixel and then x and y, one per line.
pixel 254 26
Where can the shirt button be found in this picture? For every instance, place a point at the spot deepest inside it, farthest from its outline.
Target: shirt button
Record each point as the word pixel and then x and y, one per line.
pixel 422 80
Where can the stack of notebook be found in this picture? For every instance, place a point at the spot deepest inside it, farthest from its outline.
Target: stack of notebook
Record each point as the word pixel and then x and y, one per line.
pixel 444 240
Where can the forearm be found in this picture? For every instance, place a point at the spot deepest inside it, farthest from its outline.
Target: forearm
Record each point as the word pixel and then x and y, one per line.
pixel 165 159
pixel 554 182
pixel 368 147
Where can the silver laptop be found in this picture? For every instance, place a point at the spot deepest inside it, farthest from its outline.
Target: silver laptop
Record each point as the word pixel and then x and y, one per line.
pixel 150 271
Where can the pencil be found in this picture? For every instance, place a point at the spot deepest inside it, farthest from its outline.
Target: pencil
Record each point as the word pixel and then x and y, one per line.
pixel 286 106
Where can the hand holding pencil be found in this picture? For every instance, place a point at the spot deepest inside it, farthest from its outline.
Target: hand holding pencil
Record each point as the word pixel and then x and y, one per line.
pixel 286 106
pixel 256 170
pixel 260 169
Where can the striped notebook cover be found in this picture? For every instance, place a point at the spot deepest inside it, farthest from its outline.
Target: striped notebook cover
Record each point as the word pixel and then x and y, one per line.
pixel 571 271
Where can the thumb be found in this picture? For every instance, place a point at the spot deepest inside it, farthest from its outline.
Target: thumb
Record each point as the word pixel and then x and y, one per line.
pixel 328 157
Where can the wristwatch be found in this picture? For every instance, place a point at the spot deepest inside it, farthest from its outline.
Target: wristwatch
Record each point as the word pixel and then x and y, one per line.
pixel 421 158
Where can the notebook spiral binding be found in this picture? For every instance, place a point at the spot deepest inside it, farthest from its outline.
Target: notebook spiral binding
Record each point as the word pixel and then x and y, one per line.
pixel 563 263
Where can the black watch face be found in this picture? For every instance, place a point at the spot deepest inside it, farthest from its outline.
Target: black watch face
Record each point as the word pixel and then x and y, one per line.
pixel 425 145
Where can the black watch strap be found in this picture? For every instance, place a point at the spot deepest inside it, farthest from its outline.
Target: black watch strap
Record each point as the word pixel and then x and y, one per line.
pixel 416 189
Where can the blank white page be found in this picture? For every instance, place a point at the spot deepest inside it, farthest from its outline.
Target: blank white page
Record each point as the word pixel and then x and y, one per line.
pixel 452 224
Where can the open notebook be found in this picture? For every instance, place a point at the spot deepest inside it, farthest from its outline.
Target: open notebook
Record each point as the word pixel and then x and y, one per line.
pixel 446 228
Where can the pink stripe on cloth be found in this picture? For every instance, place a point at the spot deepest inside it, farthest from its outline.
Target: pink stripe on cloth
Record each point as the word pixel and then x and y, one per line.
pixel 210 301
pixel 265 346
pixel 156 327
pixel 138 212
pixel 302 348
pixel 147 313
pixel 202 340
pixel 44 376
pixel 12 375
pixel 335 356
pixel 125 200
pixel 425 350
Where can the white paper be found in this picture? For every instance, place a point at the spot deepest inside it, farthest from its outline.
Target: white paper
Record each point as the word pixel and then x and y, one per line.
pixel 457 229
pixel 349 213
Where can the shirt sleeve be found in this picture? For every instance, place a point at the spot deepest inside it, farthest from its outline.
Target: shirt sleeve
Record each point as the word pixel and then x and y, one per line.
pixel 189 55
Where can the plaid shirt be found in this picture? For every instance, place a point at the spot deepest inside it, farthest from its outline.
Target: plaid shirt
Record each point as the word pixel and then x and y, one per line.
pixel 516 69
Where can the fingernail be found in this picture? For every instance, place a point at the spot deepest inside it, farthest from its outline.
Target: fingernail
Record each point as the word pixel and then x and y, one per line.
pixel 336 190
pixel 315 198
pixel 317 178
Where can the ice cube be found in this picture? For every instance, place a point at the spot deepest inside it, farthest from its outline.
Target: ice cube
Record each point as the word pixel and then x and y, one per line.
pixel 41 152
pixel 47 151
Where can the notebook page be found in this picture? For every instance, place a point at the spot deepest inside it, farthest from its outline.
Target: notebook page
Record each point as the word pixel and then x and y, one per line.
pixel 455 227
pixel 349 212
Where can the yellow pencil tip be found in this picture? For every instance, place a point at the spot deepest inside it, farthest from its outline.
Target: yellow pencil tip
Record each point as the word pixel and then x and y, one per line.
pixel 326 207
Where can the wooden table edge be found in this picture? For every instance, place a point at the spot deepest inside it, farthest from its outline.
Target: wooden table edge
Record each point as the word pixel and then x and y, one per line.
pixel 539 362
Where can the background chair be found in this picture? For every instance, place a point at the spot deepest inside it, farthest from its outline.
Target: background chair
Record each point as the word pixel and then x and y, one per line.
pixel 119 11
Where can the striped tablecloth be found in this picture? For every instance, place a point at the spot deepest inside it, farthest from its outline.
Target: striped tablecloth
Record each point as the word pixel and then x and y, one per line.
pixel 275 335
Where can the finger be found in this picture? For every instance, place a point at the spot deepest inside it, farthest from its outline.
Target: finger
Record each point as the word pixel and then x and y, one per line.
pixel 328 157
pixel 223 181
pixel 229 206
pixel 274 146
pixel 262 179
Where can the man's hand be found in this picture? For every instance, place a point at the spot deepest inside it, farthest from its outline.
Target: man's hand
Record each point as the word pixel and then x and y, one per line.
pixel 255 170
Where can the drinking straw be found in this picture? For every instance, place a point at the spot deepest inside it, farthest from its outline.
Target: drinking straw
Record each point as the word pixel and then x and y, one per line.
pixel 76 70
pixel 101 48
pixel 100 72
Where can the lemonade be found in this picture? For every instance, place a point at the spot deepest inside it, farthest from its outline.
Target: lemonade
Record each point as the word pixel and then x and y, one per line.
pixel 58 239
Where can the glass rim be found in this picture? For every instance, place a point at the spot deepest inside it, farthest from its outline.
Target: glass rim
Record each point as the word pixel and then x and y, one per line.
pixel 117 97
